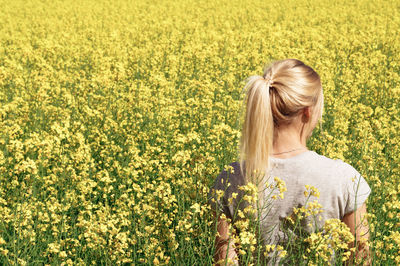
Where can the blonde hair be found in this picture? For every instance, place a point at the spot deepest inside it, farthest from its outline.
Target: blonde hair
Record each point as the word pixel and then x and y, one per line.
pixel 273 99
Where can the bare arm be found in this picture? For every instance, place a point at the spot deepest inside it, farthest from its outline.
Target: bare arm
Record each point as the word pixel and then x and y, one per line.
pixel 359 227
pixel 221 243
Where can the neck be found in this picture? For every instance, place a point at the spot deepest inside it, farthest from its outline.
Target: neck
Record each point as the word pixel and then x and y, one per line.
pixel 287 139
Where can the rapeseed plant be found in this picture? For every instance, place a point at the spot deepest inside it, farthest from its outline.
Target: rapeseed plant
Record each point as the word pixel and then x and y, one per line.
pixel 114 121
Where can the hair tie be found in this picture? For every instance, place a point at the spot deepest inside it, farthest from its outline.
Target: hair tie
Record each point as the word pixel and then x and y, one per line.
pixel 269 81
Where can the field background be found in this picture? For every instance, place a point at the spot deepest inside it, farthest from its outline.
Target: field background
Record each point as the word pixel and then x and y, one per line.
pixel 116 117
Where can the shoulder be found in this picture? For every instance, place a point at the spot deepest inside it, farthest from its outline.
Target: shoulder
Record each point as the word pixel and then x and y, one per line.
pixel 336 166
pixel 334 173
pixel 345 173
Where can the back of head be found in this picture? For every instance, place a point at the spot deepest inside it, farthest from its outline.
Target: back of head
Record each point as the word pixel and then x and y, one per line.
pixel 274 99
pixel 294 86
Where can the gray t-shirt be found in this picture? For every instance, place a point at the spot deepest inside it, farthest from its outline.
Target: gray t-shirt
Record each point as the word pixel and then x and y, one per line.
pixel 342 190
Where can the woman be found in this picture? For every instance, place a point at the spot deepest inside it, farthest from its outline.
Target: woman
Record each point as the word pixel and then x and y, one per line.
pixel 283 107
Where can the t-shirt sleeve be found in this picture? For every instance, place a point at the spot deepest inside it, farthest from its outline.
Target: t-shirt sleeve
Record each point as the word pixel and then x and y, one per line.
pixel 357 189
pixel 217 195
pixel 220 192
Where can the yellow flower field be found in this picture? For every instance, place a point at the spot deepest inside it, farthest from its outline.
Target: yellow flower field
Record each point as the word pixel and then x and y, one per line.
pixel 116 117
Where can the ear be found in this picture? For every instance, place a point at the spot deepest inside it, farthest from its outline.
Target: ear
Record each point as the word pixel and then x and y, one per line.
pixel 306 114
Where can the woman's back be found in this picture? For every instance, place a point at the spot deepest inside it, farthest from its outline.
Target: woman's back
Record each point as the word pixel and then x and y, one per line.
pixel 336 186
pixel 341 190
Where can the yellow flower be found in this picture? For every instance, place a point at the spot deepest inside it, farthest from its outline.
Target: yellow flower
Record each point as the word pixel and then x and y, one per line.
pixel 196 207
pixel 283 253
pixel 127 124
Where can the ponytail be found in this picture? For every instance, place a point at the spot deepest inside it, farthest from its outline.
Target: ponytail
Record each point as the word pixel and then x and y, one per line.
pixel 257 133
